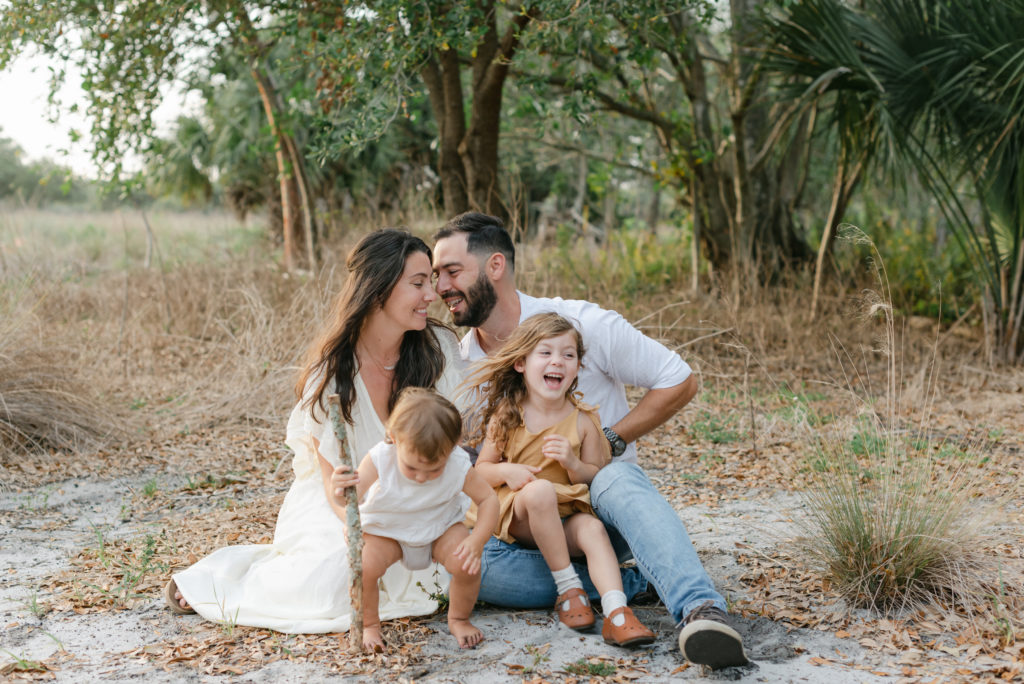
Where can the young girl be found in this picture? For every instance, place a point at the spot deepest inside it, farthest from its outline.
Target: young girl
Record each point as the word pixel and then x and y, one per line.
pixel 541 449
pixel 414 490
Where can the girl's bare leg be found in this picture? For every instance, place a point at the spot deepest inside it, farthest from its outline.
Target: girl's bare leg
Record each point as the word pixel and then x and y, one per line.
pixel 462 591
pixel 379 554
pixel 586 536
pixel 535 521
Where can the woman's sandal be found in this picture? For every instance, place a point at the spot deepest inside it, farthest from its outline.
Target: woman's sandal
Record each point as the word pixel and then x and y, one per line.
pixel 629 633
pixel 574 609
pixel 170 589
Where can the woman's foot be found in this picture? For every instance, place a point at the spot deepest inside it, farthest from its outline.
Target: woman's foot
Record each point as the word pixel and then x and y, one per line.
pixel 464 632
pixel 623 629
pixel 175 601
pixel 574 610
pixel 373 641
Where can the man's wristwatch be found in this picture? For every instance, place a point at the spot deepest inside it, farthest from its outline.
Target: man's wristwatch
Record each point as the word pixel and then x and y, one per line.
pixel 618 444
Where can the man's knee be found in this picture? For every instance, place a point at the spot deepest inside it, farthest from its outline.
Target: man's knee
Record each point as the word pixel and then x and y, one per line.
pixel 617 475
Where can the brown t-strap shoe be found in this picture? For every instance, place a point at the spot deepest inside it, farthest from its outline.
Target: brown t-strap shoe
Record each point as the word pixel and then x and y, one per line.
pixel 574 610
pixel 629 633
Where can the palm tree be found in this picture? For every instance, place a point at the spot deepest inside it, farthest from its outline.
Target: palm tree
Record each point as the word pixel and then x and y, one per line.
pixel 936 86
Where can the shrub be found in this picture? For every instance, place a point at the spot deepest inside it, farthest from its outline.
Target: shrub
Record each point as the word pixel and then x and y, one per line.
pixel 891 526
pixel 892 529
pixel 43 404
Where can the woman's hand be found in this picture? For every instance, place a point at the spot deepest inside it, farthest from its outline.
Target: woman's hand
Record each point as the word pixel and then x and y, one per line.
pixel 343 478
pixel 517 475
pixel 557 448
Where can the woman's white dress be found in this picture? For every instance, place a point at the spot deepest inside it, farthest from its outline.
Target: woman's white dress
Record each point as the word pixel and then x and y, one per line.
pixel 299 583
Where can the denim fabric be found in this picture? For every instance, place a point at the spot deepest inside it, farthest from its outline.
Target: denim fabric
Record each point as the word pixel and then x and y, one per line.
pixel 517 577
pixel 624 498
pixel 631 508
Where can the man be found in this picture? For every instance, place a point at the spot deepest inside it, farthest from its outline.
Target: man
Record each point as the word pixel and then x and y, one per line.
pixel 474 262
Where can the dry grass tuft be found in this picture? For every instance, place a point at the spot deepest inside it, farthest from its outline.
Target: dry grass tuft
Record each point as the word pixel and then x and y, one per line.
pixel 891 524
pixel 894 529
pixel 45 404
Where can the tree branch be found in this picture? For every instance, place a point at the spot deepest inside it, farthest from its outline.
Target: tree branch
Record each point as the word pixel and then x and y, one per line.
pixel 614 105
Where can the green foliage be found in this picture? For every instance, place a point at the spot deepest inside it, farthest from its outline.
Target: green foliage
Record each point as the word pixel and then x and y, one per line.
pixel 437 592
pixel 133 572
pixel 24 664
pixel 150 489
pixel 586 668
pixel 929 273
pixel 33 605
pixel 539 655
pixel 940 81
pixel 36 183
pixel 638 261
pixel 716 428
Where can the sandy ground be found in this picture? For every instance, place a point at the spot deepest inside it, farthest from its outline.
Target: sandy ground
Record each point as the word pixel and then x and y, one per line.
pixel 44 528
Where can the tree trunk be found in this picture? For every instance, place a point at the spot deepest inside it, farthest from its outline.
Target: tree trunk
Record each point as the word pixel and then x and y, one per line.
pixel 296 203
pixel 289 192
pixel 712 219
pixel 442 77
pixel 468 159
pixel 842 189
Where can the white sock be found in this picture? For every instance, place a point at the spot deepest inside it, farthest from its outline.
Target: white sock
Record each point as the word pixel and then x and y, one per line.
pixel 566 579
pixel 612 601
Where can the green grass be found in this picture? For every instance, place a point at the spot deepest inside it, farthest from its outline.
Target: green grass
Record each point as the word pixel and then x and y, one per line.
pixel 132 572
pixel 716 428
pixel 586 668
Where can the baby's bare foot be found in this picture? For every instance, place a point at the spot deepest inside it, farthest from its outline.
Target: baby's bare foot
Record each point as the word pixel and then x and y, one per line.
pixel 464 632
pixel 373 642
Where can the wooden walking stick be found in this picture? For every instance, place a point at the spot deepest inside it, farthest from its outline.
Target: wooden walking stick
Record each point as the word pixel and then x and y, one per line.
pixel 354 528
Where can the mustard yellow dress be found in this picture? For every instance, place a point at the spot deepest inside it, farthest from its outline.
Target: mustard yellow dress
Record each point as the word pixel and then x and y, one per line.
pixel 525 447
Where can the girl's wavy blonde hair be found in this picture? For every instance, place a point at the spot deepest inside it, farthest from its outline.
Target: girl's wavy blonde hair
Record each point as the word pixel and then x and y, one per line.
pixel 499 389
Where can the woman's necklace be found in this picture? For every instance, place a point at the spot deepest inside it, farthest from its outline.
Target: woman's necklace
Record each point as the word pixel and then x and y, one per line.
pixel 376 361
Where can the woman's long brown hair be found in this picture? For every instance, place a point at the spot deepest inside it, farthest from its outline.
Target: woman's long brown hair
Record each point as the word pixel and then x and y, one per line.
pixel 375 266
pixel 500 389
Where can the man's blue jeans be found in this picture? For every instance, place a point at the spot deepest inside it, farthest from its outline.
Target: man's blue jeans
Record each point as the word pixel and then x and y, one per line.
pixel 641 524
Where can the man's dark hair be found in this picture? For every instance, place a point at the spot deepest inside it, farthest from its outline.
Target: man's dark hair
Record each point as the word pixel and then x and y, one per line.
pixel 485 235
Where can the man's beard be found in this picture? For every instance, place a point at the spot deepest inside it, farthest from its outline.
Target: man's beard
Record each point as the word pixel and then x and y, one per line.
pixel 480 300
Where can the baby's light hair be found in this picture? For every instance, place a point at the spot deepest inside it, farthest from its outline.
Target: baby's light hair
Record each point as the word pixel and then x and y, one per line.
pixel 501 389
pixel 427 422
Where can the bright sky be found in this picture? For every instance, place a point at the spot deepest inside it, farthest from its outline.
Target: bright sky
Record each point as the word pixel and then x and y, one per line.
pixel 24 117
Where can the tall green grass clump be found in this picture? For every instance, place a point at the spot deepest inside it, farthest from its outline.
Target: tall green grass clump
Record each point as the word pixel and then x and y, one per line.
pixel 892 526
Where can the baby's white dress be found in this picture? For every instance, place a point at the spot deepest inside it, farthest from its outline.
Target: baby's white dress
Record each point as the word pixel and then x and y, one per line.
pixel 414 514
pixel 299 583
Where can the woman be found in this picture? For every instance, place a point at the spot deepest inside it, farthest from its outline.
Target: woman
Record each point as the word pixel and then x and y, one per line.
pixel 379 341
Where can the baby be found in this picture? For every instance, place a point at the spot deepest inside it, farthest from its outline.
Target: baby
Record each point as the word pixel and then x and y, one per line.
pixel 414 490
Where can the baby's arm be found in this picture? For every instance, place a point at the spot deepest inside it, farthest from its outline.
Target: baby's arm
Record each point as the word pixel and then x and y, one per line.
pixel 496 473
pixel 482 494
pixel 336 480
